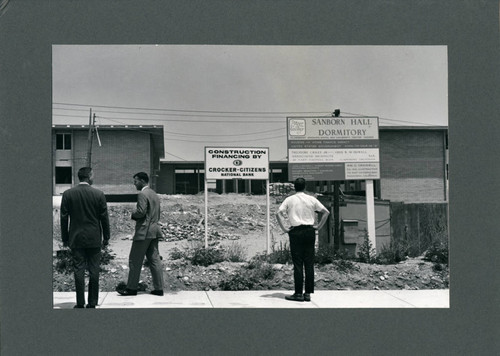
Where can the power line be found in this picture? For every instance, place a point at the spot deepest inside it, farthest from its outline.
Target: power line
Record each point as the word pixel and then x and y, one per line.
pixel 383 118
pixel 197 111
pixel 204 141
pixel 202 135
pixel 175 156
pixel 208 116
pixel 243 134
pixel 205 135
pixel 175 115
pixel 208 141
pixel 183 120
pixel 188 121
pixel 408 122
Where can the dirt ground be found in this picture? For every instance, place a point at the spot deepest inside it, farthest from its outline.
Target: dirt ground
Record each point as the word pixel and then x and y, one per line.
pixel 232 219
pixel 241 219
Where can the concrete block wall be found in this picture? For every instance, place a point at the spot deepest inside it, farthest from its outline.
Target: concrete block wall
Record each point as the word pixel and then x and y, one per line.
pixel 412 166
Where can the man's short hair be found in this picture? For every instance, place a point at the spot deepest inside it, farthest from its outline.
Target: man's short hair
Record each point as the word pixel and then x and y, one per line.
pixel 142 176
pixel 299 184
pixel 84 173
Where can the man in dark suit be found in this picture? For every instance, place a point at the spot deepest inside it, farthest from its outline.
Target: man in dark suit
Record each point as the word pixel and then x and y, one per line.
pixel 85 229
pixel 145 240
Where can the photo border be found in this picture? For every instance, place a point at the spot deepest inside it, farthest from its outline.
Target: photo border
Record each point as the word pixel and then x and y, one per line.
pixel 28 323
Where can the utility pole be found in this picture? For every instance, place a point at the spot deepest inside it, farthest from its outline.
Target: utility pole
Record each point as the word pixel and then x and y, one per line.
pixel 336 213
pixel 90 137
pixel 336 205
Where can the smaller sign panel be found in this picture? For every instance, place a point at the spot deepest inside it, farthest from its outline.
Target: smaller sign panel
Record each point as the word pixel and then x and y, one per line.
pixel 236 162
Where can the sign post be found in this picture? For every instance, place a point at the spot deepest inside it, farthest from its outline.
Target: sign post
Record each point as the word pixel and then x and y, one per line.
pixel 370 212
pixel 237 163
pixel 206 211
pixel 268 229
pixel 336 148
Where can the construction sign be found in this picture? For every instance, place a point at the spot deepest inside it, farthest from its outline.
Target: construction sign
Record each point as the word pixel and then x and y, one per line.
pixel 333 148
pixel 236 162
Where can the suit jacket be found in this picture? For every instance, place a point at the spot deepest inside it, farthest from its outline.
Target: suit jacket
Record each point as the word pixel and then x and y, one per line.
pixel 147 215
pixel 84 217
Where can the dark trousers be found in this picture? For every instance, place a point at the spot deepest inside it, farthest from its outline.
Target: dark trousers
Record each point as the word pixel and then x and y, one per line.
pixel 148 248
pixel 89 258
pixel 302 240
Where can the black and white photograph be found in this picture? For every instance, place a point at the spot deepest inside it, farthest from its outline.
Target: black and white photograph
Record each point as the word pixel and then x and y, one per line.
pixel 247 152
pixel 261 177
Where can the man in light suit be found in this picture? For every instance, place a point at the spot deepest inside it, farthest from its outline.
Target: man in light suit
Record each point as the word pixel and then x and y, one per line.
pixel 145 240
pixel 84 220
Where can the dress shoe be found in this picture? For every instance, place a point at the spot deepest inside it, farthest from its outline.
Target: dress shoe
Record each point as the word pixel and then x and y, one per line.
pixel 127 292
pixel 90 306
pixel 158 292
pixel 295 297
pixel 307 297
pixel 78 306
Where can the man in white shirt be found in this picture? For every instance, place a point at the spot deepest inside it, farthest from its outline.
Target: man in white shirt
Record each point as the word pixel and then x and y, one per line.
pixel 301 209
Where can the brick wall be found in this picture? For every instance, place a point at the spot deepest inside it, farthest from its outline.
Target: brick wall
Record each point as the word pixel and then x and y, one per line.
pixel 412 166
pixel 122 154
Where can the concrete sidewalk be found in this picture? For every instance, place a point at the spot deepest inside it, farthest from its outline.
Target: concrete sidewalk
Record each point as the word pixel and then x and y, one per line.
pixel 437 298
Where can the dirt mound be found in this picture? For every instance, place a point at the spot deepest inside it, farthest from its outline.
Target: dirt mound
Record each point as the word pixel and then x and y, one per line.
pixel 241 219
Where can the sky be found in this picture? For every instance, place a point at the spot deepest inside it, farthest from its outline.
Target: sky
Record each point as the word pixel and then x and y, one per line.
pixel 240 96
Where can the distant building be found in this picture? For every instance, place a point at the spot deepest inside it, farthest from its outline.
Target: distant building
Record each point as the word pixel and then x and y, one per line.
pixel 123 151
pixel 413 169
pixel 413 164
pixel 413 175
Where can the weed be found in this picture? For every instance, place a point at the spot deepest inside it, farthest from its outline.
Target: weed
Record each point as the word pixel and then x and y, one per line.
pixel 343 265
pixel 256 272
pixel 177 254
pixel 438 252
pixel 395 252
pixel 324 255
pixel 327 255
pixel 280 255
pixel 63 261
pixel 238 281
pixel 207 256
pixel 235 253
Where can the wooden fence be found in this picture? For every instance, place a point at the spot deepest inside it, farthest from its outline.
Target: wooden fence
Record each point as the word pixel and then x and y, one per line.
pixel 417 226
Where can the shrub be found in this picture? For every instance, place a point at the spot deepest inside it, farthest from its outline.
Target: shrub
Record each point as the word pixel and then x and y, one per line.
pixel 366 251
pixel 281 255
pixel 207 256
pixel 393 253
pixel 343 264
pixel 437 252
pixel 256 272
pixel 238 281
pixel 177 254
pixel 107 255
pixel 261 270
pixel 63 261
pixel 342 261
pixel 324 255
pixel 235 253
pixel 328 255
